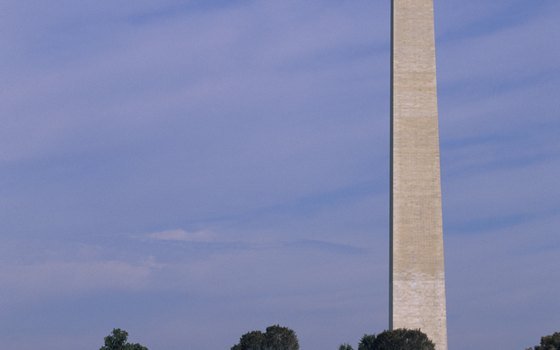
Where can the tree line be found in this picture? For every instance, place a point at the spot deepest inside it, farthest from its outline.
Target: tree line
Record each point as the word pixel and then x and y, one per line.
pixel 277 337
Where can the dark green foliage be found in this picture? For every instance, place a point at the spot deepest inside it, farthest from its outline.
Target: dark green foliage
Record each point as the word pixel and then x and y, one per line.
pixel 280 338
pixel 366 343
pixel 549 342
pixel 135 347
pixel 402 339
pixel 345 347
pixel 117 340
pixel 250 341
pixel 275 338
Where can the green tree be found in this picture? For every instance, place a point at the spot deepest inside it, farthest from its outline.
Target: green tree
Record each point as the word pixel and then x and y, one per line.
pixel 280 338
pixel 117 340
pixel 549 342
pixel 275 338
pixel 345 347
pixel 251 341
pixel 402 339
pixel 366 343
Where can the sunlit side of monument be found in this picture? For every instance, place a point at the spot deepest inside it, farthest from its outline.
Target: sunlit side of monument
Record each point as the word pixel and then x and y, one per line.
pixel 417 280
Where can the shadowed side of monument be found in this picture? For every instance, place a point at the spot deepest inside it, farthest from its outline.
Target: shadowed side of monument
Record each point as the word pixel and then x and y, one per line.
pixel 417 281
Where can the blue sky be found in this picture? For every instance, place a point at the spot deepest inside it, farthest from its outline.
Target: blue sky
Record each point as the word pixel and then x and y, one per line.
pixel 190 171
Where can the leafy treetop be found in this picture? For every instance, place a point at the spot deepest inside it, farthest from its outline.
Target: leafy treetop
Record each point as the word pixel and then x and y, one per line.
pixel 403 339
pixel 117 340
pixel 549 342
pixel 398 339
pixel 366 343
pixel 275 338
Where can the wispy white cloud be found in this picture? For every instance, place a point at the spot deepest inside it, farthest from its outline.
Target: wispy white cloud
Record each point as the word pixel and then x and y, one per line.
pixel 182 236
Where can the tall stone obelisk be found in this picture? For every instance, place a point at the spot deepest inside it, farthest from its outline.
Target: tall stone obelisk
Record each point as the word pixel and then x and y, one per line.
pixel 417 281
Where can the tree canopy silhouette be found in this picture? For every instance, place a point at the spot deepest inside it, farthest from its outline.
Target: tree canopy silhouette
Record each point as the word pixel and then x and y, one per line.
pixel 117 340
pixel 275 338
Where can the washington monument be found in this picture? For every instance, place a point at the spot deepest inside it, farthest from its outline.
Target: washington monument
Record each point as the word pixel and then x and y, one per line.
pixel 417 278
